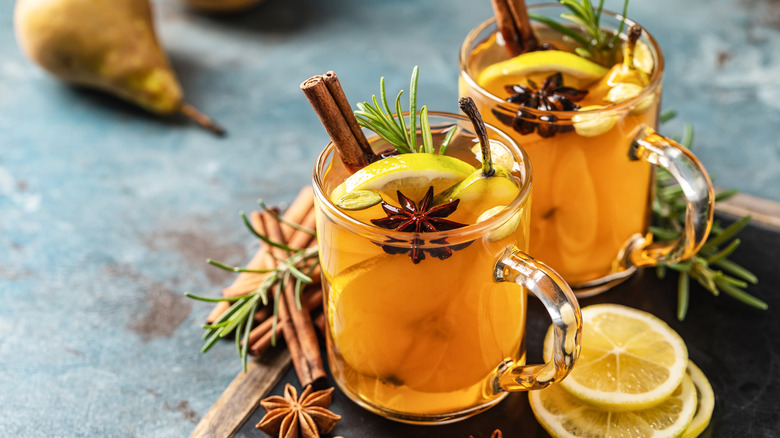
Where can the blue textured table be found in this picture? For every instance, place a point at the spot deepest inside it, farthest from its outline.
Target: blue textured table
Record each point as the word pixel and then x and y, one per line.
pixel 107 214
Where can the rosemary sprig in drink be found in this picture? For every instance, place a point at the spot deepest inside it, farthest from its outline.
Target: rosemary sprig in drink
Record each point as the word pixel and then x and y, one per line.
pixel 379 117
pixel 710 267
pixel 596 43
pixel 238 319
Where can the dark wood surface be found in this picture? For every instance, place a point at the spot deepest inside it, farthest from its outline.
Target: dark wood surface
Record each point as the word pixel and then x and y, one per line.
pixel 736 346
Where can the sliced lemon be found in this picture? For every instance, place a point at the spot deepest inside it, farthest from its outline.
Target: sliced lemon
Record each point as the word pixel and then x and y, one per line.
pixel 705 402
pixel 412 174
pixel 505 229
pixel 563 415
pixel 567 63
pixel 591 125
pixel 629 360
pixel 498 153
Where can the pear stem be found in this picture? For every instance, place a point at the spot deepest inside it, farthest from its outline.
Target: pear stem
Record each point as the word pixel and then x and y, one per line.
pixel 468 106
pixel 634 32
pixel 202 119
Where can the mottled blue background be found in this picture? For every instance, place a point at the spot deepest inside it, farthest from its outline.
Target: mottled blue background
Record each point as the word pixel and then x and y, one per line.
pixel 107 214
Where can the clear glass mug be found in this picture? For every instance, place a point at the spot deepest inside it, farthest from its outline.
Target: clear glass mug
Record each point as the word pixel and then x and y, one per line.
pixel 443 338
pixel 594 178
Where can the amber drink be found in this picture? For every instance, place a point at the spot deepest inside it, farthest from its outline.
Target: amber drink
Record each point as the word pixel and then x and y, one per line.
pixel 429 327
pixel 593 166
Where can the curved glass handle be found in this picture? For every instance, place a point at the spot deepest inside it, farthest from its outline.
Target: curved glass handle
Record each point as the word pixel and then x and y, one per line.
pixel 699 200
pixel 517 267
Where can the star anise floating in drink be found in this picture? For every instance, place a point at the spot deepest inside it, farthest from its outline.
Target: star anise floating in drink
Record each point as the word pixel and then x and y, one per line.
pixel 419 218
pixel 292 416
pixel 551 96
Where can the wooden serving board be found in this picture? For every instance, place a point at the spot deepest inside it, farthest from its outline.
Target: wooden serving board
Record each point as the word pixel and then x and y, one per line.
pixel 732 343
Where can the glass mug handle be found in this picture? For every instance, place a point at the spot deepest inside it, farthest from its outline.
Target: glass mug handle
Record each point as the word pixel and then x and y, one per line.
pixel 699 200
pixel 517 267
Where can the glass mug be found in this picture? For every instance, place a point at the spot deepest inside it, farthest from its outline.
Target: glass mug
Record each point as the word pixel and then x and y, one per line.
pixel 594 188
pixel 442 339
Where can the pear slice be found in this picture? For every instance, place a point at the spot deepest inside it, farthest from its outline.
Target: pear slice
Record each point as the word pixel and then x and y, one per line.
pixel 107 45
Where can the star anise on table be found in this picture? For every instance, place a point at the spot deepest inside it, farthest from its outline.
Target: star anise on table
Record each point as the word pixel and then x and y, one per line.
pixel 551 96
pixel 419 218
pixel 292 416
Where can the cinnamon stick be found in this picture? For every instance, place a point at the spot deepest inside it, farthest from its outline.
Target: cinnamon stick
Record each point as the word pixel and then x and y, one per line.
pixel 515 26
pixel 338 119
pixel 301 320
pixel 257 346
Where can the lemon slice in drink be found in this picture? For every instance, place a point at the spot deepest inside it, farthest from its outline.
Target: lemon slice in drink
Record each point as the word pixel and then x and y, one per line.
pixel 570 64
pixel 564 415
pixel 477 193
pixel 705 402
pixel 412 174
pixel 629 359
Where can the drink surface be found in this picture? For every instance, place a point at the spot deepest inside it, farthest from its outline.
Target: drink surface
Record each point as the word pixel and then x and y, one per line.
pixel 420 338
pixel 589 198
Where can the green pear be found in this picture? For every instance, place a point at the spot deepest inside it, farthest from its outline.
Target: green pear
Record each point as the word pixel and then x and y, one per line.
pixel 109 45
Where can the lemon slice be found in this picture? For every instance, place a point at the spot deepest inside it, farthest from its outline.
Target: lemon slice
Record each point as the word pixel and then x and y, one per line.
pixel 505 229
pixel 629 359
pixel 544 61
pixel 498 153
pixel 592 125
pixel 412 174
pixel 563 415
pixel 705 402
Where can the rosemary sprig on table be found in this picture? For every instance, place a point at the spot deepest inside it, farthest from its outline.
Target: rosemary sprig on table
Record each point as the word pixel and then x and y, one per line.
pixel 596 43
pixel 710 267
pixel 239 317
pixel 378 117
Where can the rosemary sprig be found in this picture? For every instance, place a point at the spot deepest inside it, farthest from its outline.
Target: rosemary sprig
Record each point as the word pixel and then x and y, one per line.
pixel 239 318
pixel 378 117
pixel 710 267
pixel 596 43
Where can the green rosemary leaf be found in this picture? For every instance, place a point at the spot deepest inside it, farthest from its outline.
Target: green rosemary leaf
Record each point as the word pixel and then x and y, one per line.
pixel 211 340
pixel 683 295
pixel 388 117
pixel 383 132
pixel 236 268
pixel 720 277
pixel 577 20
pixel 727 233
pixel 667 115
pixel 383 95
pixel 299 275
pixel 386 121
pixel 735 269
pixel 264 238
pixel 242 313
pixel 447 140
pixel 245 343
pixel 413 109
pixel 743 296
pixel 622 24
pixel 425 127
pixel 724 252
pixel 687 136
pixel 562 29
pixel 211 300
pixel 726 194
pixel 400 113
pixel 275 322
pixel 281 219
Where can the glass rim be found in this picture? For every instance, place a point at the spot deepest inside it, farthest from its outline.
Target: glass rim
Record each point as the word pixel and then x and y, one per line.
pixel 562 116
pixel 459 235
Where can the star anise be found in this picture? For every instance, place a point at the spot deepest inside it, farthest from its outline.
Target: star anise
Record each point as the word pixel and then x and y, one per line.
pixel 419 218
pixel 551 96
pixel 293 417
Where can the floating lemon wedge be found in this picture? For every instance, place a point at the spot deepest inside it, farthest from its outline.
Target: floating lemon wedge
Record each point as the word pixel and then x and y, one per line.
pixel 544 61
pixel 630 359
pixel 412 174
